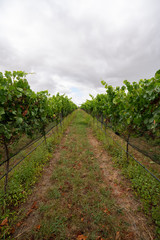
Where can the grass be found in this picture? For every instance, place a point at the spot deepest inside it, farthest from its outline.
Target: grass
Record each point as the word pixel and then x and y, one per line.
pixel 144 185
pixel 78 203
pixel 25 175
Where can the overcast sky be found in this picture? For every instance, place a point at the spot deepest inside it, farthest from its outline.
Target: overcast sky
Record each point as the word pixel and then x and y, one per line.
pixel 72 45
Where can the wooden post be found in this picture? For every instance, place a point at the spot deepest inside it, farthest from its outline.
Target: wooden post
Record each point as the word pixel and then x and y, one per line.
pixel 101 121
pixel 44 134
pixel 61 119
pixel 105 127
pixel 127 146
pixel 7 166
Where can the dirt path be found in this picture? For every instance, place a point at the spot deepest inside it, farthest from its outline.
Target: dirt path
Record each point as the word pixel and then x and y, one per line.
pixel 30 216
pixel 89 198
pixel 122 193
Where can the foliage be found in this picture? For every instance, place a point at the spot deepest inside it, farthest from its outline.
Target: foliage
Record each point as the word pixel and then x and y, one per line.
pixel 22 111
pixel 132 108
pixel 15 97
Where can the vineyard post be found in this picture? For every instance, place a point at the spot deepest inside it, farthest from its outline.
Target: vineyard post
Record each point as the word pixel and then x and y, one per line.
pixel 7 166
pixel 52 130
pixel 61 119
pixel 105 127
pixel 45 140
pixel 127 146
pixel 44 135
pixel 97 121
pixel 101 121
pixel 57 126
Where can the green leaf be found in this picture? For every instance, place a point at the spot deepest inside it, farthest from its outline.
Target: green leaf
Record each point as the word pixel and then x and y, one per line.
pixel 157 74
pixel 103 83
pixel 20 89
pixel 151 120
pixel 146 121
pixel 2 111
pixel 14 112
pixel 115 101
pixel 7 133
pixel 19 120
pixel 128 120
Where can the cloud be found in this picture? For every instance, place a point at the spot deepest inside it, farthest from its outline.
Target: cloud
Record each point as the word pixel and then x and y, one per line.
pixel 72 45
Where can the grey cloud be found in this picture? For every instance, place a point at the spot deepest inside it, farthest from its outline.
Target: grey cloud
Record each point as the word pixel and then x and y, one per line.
pixel 78 43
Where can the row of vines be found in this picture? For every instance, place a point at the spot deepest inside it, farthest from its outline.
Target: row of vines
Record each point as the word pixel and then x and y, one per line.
pixel 131 110
pixel 22 111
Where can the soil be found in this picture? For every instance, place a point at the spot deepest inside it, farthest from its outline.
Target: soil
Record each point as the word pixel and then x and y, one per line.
pixel 31 216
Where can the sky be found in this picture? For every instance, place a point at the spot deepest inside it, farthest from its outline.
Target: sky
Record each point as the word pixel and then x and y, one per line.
pixel 71 45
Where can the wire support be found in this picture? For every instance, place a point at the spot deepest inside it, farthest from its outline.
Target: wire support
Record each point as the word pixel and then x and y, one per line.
pixel 21 159
pixel 131 156
pixel 27 153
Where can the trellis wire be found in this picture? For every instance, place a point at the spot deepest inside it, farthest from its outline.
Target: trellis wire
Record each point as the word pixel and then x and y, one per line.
pixel 27 153
pixel 131 156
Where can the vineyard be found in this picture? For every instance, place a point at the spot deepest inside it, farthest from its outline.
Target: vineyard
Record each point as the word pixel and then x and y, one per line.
pixel 57 181
pixel 22 111
pixel 131 111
